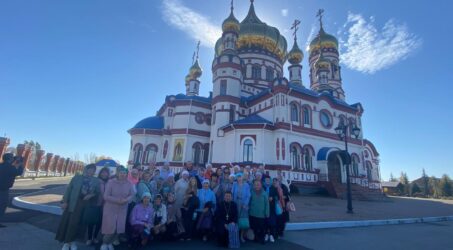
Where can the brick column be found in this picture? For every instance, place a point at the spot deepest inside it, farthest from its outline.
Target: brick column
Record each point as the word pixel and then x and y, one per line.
pixel 48 162
pixel 53 168
pixel 20 150
pixel 39 154
pixel 4 142
pixel 27 154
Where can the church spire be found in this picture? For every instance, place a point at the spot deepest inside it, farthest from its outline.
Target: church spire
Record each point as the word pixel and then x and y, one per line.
pixel 195 71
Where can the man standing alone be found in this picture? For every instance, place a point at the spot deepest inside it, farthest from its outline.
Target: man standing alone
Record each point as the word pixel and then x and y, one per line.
pixel 9 169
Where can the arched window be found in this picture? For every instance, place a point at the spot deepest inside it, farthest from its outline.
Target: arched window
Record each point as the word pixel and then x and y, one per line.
pixel 269 74
pixel 355 165
pixel 138 151
pixel 306 113
pixel 256 72
pixel 294 112
pixel 296 156
pixel 248 150
pixel 197 153
pixel 150 154
pixel 369 168
pixel 308 158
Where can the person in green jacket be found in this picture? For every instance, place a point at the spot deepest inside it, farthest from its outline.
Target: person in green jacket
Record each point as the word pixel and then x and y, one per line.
pixel 259 211
pixel 80 190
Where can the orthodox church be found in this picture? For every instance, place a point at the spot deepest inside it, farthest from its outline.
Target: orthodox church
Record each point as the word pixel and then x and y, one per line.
pixel 256 116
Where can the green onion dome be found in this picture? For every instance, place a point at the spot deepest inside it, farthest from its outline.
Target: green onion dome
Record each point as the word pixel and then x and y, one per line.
pixel 255 33
pixel 323 39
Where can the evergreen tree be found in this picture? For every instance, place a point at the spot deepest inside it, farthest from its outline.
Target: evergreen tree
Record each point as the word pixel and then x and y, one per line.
pixel 392 178
pixel 405 183
pixel 415 189
pixel 445 186
pixel 425 183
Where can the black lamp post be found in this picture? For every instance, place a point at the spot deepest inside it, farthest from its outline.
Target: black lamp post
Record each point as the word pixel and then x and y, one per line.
pixel 342 132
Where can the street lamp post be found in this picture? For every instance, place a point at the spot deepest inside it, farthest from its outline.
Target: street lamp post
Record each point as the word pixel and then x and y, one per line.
pixel 342 132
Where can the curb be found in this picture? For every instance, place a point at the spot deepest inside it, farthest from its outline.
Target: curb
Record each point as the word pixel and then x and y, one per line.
pixel 18 202
pixel 362 223
pixel 298 226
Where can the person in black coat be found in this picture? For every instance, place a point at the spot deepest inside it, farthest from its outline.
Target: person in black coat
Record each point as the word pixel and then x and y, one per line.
pixel 9 169
pixel 225 214
pixel 190 204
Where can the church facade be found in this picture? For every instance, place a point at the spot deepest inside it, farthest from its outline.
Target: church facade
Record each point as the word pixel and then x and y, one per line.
pixel 256 116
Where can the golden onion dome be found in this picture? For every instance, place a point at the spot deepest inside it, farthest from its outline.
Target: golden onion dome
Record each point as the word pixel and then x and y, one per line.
pixel 255 33
pixel 188 78
pixel 295 55
pixel 324 40
pixel 195 71
pixel 231 24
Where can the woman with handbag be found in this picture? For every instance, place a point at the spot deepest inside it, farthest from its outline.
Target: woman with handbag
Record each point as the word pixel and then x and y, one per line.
pixel 276 207
pixel 241 196
pixel 191 203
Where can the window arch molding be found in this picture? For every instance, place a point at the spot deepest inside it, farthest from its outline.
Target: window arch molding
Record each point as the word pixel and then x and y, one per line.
pixel 138 151
pixel 296 153
pixel 306 115
pixel 308 156
pixel 248 149
pixel 150 154
pixel 295 111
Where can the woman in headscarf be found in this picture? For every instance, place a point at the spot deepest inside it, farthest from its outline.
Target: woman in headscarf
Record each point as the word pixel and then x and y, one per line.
pixel 118 193
pixel 160 216
pixel 174 220
pixel 168 186
pixel 180 188
pixel 241 196
pixel 141 221
pixel 79 192
pixel 206 209
pixel 92 216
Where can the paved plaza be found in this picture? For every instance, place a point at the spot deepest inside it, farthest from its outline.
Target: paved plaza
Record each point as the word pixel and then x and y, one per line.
pixel 28 229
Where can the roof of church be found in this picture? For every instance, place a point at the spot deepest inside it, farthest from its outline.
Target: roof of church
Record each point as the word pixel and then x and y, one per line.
pixel 252 119
pixel 152 122
pixel 190 97
pixel 303 90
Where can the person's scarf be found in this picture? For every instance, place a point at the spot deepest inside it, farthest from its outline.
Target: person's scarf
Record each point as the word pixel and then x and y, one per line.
pixel 132 179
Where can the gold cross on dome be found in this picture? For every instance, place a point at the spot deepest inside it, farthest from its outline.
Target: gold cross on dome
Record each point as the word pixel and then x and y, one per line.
pixel 198 47
pixel 319 14
pixel 295 28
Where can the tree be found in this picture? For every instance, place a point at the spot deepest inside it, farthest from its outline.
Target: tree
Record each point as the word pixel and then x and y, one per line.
pixel 434 187
pixel 445 186
pixel 425 183
pixel 405 183
pixel 415 188
pixel 392 178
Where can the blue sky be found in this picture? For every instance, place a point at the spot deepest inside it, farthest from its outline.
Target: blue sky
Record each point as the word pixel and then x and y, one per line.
pixel 75 75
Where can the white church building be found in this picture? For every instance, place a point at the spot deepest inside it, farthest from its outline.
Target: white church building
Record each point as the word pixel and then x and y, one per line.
pixel 256 116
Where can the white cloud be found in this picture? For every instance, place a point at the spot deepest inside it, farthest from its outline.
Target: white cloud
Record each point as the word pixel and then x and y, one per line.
pixel 284 12
pixel 310 36
pixel 191 22
pixel 368 50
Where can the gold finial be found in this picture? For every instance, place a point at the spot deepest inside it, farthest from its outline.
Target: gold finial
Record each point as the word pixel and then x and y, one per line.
pixel 231 6
pixel 319 15
pixel 193 58
pixel 198 48
pixel 295 28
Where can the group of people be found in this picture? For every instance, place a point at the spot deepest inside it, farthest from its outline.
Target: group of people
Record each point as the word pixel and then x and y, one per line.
pixel 229 204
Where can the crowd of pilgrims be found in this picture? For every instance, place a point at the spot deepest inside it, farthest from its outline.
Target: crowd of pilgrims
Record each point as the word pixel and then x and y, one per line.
pixel 229 204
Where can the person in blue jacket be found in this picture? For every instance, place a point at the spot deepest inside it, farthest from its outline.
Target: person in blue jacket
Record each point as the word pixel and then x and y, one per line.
pixel 241 196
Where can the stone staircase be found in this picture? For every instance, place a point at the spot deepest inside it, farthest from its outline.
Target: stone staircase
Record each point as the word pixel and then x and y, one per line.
pixel 339 190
